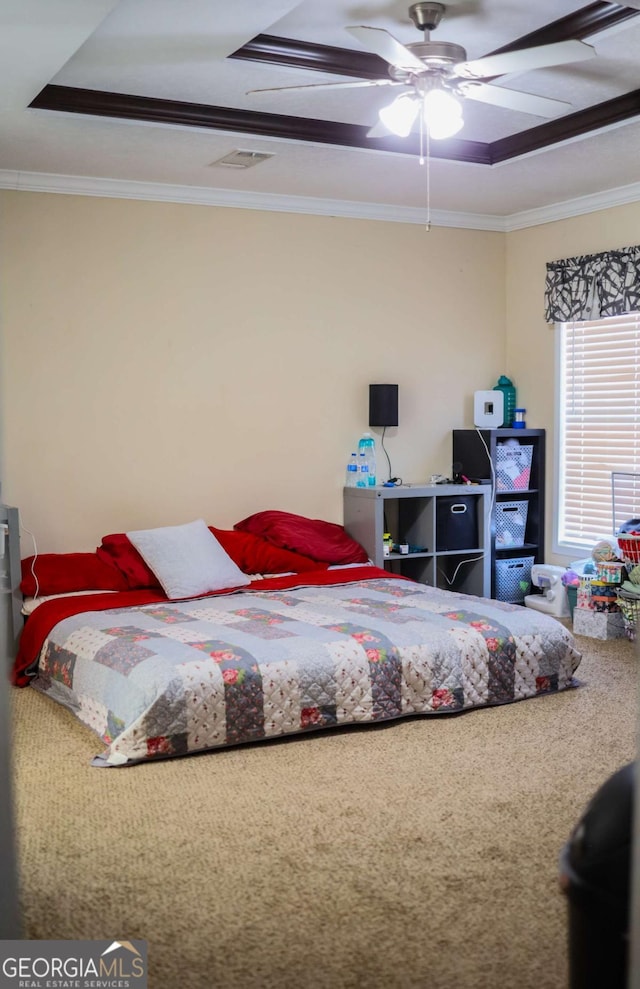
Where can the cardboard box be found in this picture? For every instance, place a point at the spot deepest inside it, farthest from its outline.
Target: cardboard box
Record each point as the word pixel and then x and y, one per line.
pixel 598 624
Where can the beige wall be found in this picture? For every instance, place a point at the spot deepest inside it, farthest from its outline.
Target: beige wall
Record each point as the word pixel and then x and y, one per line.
pixel 530 341
pixel 165 362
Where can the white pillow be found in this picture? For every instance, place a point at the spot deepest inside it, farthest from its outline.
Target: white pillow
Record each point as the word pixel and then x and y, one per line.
pixel 187 559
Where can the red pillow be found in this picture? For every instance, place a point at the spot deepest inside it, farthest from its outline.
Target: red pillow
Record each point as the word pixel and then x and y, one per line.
pixel 63 573
pixel 251 553
pixel 324 541
pixel 256 555
pixel 117 550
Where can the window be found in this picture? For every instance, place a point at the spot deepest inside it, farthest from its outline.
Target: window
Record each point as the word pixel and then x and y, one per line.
pixel 598 429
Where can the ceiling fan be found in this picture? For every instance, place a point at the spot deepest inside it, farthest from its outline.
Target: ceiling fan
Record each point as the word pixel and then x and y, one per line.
pixel 435 76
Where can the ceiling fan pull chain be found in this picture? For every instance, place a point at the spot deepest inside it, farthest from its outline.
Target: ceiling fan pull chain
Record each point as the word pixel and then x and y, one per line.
pixel 425 158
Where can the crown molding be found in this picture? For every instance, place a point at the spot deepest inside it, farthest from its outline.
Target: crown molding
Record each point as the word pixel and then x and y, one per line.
pixel 78 185
pixel 621 196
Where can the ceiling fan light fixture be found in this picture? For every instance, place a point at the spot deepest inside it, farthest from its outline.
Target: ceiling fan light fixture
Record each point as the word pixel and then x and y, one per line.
pixel 399 116
pixel 442 114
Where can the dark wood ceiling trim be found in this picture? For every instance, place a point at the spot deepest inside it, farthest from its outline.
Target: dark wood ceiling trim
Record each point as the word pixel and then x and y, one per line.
pixel 124 106
pixel 581 24
pixel 308 55
pixel 343 61
pixel 67 99
pixel 364 65
pixel 577 124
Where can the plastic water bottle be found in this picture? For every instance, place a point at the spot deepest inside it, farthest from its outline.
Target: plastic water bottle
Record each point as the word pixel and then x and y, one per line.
pixel 506 386
pixel 363 471
pixel 367 446
pixel 351 480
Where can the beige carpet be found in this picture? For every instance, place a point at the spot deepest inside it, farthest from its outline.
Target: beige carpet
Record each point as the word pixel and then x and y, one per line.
pixel 422 853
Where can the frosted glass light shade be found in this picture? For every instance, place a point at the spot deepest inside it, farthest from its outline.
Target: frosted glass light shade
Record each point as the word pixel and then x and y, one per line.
pixel 400 115
pixel 442 114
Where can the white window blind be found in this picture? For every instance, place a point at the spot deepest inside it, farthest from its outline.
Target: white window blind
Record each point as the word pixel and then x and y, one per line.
pixel 599 429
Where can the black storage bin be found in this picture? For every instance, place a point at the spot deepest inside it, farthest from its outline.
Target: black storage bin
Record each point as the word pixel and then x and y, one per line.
pixel 595 867
pixel 456 523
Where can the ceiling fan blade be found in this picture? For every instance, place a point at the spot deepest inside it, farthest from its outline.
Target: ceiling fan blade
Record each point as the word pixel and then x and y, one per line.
pixel 327 85
pixel 377 40
pixel 511 99
pixel 524 59
pixel 378 130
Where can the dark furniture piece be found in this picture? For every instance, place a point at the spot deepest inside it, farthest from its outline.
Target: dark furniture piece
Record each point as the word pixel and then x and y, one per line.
pixel 475 455
pixel 595 873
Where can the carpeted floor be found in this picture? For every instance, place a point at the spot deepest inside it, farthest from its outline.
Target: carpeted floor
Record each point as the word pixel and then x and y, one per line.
pixel 421 853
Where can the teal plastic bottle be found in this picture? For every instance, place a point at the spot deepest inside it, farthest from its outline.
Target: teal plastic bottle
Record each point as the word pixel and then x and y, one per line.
pixel 507 387
pixel 367 447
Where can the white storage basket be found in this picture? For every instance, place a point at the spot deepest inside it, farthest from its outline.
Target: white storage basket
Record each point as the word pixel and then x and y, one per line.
pixel 513 467
pixel 511 523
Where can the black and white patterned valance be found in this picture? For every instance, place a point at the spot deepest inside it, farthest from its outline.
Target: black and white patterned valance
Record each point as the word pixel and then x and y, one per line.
pixel 593 286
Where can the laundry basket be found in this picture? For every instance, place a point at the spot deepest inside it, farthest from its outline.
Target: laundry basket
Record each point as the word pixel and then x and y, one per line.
pixel 629 605
pixel 629 546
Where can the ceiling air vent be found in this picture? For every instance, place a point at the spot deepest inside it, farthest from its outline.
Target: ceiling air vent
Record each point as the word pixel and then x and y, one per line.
pixel 242 159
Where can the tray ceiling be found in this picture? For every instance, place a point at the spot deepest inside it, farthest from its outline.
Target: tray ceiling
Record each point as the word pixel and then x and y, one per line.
pixel 157 91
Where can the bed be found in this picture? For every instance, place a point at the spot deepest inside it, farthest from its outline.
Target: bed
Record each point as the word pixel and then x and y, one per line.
pixel 156 672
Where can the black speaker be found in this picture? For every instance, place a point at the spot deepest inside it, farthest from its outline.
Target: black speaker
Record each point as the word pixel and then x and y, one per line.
pixel 383 405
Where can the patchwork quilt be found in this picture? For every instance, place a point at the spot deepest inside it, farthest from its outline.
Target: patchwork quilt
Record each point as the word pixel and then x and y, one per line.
pixel 165 678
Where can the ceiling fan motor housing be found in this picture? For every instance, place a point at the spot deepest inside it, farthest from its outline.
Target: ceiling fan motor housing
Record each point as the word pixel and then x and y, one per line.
pixel 438 57
pixel 438 52
pixel 426 16
pixel 434 54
